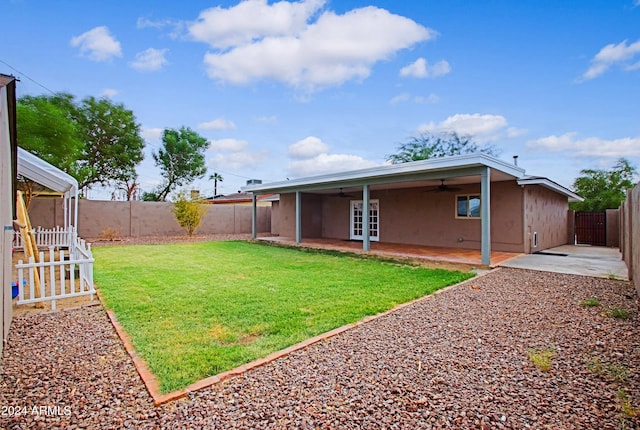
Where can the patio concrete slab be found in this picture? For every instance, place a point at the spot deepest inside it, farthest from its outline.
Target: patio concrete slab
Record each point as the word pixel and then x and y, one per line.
pixel 598 261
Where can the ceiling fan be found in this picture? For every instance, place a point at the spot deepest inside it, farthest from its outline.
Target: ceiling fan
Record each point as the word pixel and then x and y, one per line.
pixel 342 194
pixel 443 188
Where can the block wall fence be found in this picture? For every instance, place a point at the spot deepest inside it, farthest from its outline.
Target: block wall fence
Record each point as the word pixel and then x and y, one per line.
pixel 138 219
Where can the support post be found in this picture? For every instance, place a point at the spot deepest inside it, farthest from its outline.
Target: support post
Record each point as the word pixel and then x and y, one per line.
pixel 366 237
pixel 254 216
pixel 485 216
pixel 298 217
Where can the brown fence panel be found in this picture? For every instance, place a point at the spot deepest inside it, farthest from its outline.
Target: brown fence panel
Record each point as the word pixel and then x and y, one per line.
pixel 591 228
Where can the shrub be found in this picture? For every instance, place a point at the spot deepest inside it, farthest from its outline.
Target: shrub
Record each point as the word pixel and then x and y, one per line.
pixel 541 358
pixel 618 313
pixel 590 302
pixel 188 212
pixel 109 234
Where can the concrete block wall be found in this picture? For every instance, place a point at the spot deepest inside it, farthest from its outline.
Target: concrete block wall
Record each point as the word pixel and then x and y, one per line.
pixel 138 219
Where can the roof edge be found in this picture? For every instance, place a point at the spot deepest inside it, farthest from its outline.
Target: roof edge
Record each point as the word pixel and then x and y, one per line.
pixel 549 184
pixel 388 170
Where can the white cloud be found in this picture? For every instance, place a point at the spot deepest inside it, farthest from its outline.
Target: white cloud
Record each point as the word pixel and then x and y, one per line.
pixel 97 44
pixel 228 145
pixel 611 55
pixel 152 134
pixel 308 147
pixel 252 20
pixel 237 160
pixel 255 41
pixel 310 157
pixel 268 119
pixel 217 124
pixel 142 22
pixel 233 153
pixel 481 127
pixel 328 163
pixel 421 69
pixel 433 98
pixel 406 97
pixel 400 98
pixel 109 93
pixel 588 147
pixel 150 60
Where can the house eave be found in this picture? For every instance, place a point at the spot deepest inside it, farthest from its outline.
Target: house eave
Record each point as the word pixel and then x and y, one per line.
pixel 549 184
pixel 436 168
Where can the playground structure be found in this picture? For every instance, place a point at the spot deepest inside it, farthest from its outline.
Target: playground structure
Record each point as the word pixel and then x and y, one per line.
pixel 66 270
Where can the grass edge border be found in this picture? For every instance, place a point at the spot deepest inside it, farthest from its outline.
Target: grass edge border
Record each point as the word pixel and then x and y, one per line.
pixel 159 398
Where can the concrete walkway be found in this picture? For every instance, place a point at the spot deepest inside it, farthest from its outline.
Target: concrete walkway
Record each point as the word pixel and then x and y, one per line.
pixel 584 260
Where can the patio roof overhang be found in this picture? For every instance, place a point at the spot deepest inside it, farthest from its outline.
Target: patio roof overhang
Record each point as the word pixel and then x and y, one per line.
pixel 415 173
pixel 457 170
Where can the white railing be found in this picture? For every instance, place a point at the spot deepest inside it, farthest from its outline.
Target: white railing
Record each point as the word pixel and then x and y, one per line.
pixel 59 237
pixel 56 275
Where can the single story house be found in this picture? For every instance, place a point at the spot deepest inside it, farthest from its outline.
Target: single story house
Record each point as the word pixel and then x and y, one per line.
pixel 240 198
pixel 469 201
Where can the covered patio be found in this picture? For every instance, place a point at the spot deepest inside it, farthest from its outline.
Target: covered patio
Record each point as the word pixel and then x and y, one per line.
pixel 457 256
pixel 472 208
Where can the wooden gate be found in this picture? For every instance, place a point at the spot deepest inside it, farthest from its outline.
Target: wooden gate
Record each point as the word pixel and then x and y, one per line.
pixel 591 228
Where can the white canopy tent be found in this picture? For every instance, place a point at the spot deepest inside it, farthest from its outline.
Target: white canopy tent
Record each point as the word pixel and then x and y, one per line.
pixel 38 170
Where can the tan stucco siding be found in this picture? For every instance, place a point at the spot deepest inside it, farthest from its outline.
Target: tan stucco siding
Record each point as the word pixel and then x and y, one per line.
pixel 413 216
pixel 546 213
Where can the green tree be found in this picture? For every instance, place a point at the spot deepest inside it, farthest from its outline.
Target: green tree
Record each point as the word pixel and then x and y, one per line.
pixel 603 189
pixel 113 146
pixel 95 141
pixel 188 212
pixel 215 178
pixel 47 127
pixel 435 145
pixel 181 159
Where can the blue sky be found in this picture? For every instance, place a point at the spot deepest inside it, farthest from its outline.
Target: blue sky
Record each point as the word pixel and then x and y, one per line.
pixel 293 89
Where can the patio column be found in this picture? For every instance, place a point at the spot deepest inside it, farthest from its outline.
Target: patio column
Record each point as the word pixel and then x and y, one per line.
pixel 298 217
pixel 485 216
pixel 254 216
pixel 366 239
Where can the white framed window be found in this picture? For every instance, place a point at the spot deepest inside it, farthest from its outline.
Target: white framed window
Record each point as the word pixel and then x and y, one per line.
pixel 468 206
pixel 357 217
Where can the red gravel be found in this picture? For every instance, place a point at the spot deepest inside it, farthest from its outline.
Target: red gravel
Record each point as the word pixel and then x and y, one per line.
pixel 457 360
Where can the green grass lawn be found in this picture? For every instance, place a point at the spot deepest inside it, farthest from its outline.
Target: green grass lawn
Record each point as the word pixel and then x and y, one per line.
pixel 197 309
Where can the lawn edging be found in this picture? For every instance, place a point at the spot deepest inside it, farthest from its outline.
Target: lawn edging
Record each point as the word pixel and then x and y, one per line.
pixel 153 387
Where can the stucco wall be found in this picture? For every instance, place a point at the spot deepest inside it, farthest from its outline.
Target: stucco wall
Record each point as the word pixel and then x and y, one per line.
pixel 145 218
pixel 414 216
pixel 275 218
pixel 546 213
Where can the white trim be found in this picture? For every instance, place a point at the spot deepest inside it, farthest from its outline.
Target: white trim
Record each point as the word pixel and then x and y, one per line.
pixel 372 237
pixel 455 206
pixel 547 183
pixel 389 171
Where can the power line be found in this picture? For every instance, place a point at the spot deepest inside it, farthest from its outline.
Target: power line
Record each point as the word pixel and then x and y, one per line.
pixel 27 76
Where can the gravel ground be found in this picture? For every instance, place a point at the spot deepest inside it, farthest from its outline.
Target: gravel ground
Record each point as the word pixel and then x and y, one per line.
pixel 457 360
